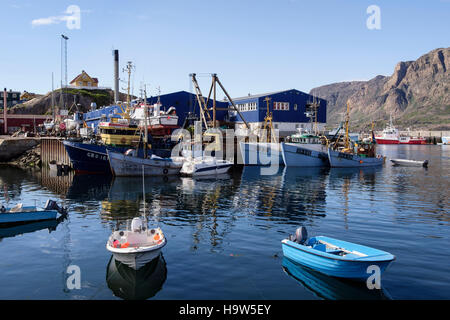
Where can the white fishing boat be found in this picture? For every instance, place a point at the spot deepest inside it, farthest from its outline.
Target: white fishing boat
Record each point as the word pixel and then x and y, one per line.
pixel 203 166
pixel 136 245
pixel 409 163
pixel 304 150
pixel 260 153
pixel 128 164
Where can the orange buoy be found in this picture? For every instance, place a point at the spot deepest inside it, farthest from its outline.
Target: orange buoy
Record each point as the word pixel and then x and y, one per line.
pixel 156 237
pixel 125 245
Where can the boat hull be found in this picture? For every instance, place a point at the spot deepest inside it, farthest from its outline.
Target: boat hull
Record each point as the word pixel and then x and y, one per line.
pixel 89 158
pixel 190 168
pixel 123 166
pixel 138 257
pixel 304 155
pixel 345 160
pixel 332 266
pixel 18 218
pixel 136 260
pixel 260 153
pixel 407 140
pixel 409 163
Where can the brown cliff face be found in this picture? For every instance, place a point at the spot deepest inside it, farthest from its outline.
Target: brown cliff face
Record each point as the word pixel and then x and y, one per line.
pixel 417 95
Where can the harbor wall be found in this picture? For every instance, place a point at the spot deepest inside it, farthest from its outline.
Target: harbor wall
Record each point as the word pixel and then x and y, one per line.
pixel 53 149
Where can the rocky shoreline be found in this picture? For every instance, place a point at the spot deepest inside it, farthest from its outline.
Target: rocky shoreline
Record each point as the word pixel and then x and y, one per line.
pixel 29 159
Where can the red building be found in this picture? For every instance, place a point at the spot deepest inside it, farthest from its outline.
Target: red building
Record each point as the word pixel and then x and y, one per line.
pixel 26 122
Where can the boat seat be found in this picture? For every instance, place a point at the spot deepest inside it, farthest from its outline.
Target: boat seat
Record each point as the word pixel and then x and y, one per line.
pixel 137 238
pixel 17 208
pixel 320 247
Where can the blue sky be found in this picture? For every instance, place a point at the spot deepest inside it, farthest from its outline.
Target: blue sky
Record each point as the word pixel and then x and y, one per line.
pixel 254 46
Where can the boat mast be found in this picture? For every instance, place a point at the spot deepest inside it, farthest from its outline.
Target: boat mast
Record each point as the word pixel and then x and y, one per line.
pixel 347 120
pixel 146 124
pixel 268 120
pixel 129 67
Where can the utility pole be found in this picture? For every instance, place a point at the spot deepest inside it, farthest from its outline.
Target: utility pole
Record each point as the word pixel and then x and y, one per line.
pixel 63 66
pixel 129 68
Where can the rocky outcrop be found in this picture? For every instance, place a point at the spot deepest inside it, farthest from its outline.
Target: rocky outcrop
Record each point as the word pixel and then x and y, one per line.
pixel 417 95
pixel 75 100
pixel 11 148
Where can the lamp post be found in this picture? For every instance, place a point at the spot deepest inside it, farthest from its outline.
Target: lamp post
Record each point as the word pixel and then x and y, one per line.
pixel 63 65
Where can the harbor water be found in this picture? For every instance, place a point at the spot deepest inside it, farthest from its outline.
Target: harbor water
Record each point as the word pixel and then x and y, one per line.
pixel 224 233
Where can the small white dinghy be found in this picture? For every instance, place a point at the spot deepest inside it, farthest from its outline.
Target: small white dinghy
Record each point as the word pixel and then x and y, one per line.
pixel 410 163
pixel 137 245
pixel 205 166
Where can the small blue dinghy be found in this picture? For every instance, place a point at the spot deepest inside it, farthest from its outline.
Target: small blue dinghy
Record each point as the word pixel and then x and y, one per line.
pixel 19 214
pixel 336 258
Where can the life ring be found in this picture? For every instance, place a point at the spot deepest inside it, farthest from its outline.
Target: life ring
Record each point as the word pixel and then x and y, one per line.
pixel 165 171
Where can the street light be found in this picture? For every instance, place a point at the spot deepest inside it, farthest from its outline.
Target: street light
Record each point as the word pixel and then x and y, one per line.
pixel 64 39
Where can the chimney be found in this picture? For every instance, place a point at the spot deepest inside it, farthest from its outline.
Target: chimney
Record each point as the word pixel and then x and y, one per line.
pixel 5 111
pixel 116 76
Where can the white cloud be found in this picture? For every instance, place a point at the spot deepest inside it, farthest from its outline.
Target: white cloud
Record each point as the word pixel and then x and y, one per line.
pixel 47 21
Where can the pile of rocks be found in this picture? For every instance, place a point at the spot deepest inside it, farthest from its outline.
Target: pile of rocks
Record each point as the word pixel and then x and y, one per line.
pixel 30 159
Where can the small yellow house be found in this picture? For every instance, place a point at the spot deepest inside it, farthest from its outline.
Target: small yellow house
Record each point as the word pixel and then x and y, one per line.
pixel 84 80
pixel 25 96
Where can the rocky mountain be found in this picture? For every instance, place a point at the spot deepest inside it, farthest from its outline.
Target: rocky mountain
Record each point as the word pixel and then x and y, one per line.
pixel 80 99
pixel 417 95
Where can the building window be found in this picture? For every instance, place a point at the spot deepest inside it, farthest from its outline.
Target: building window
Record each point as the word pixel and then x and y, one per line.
pixel 89 84
pixel 283 106
pixel 295 107
pixel 14 95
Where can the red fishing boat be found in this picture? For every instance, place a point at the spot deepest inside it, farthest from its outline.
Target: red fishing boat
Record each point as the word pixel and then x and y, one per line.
pixel 391 135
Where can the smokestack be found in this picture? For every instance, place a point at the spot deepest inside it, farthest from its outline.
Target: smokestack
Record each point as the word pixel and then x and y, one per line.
pixel 116 76
pixel 5 108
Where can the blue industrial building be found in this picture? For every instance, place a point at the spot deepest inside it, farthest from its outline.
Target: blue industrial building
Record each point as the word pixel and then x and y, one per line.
pixel 186 102
pixel 288 110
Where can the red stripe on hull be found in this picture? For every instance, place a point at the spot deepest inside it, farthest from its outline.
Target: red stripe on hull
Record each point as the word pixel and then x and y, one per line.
pixel 383 141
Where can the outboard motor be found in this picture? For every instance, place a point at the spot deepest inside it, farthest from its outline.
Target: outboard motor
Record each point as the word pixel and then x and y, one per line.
pixel 136 225
pixel 52 205
pixel 301 235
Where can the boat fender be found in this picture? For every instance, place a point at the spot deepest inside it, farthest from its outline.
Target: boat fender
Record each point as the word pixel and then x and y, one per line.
pixel 156 237
pixel 125 245
pixel 116 244
pixel 165 171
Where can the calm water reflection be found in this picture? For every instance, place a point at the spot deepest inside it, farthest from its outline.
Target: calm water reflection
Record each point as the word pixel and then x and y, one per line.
pixel 224 233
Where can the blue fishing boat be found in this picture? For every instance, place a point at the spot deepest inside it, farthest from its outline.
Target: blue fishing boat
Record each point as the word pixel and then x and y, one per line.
pixel 20 214
pixel 90 157
pixel 334 257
